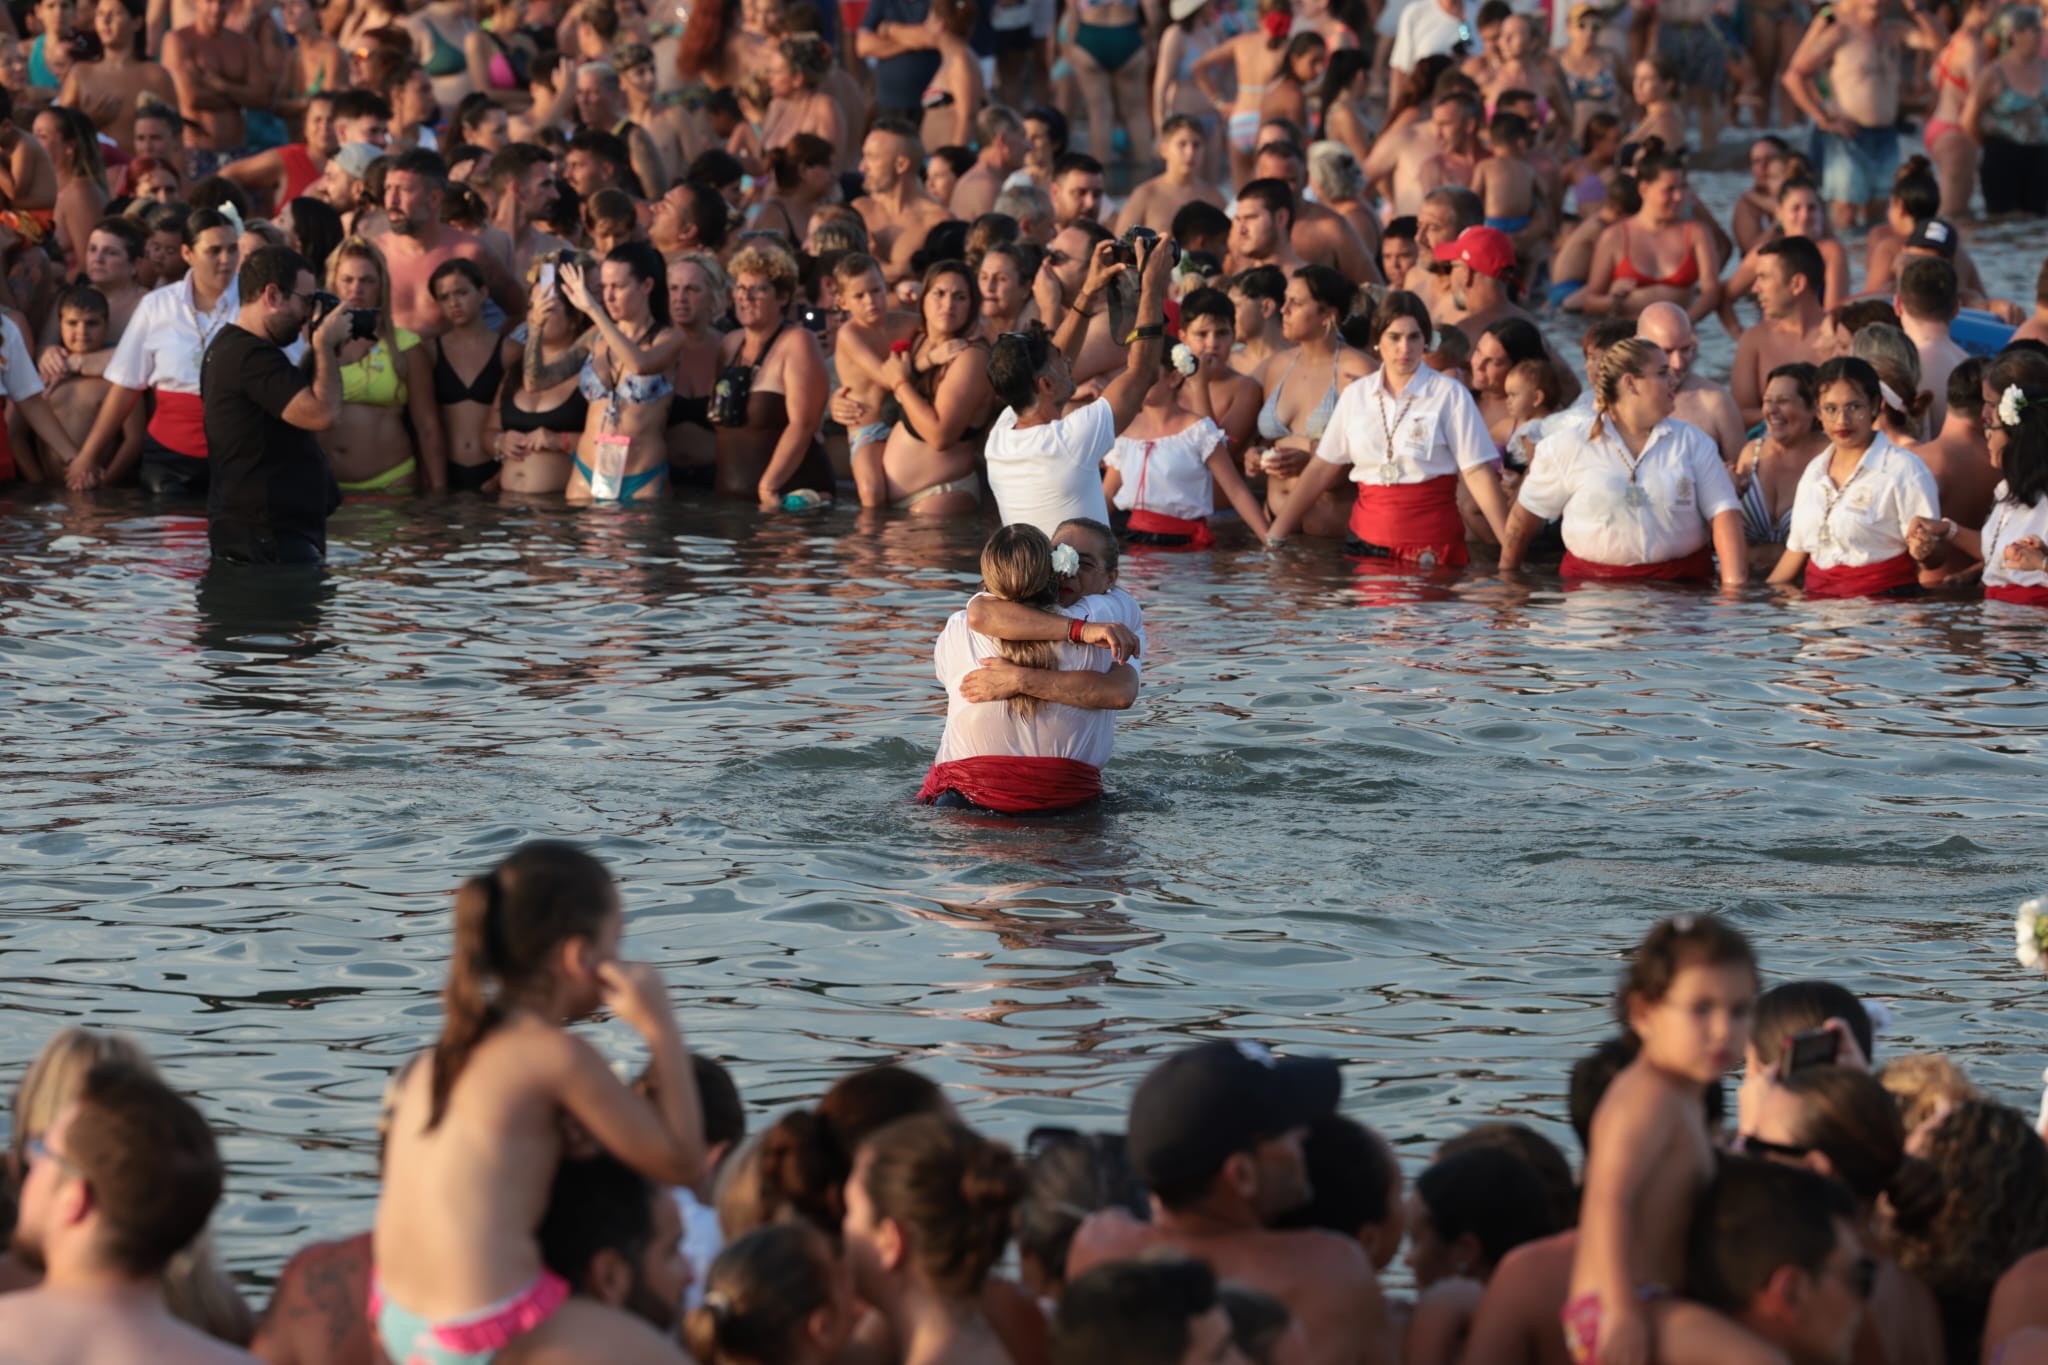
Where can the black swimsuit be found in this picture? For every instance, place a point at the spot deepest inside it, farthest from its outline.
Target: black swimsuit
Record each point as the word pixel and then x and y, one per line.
pixel 450 390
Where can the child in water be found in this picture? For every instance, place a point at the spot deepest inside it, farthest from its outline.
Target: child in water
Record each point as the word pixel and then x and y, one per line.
pixel 1687 999
pixel 478 1131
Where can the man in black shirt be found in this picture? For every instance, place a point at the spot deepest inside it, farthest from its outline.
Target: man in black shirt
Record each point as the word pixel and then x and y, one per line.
pixel 272 488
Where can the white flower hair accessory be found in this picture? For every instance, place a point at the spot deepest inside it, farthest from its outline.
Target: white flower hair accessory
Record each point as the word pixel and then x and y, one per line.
pixel 233 215
pixel 1184 359
pixel 1066 561
pixel 2011 404
pixel 2030 930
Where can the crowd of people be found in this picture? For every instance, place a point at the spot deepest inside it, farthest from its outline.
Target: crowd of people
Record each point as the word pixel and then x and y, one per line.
pixel 533 1204
pixel 802 252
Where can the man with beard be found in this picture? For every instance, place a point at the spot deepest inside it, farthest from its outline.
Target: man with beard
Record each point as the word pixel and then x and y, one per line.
pixel 1263 231
pixel 419 242
pixel 271 489
pixel 122 1181
pixel 897 211
pixel 601 105
pixel 522 189
pixel 1477 265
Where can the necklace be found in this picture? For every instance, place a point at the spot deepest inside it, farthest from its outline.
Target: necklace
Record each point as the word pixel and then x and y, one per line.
pixel 1635 497
pixel 1825 537
pixel 1390 467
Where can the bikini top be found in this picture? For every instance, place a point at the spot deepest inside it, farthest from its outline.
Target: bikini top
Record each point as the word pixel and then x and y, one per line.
pixel 629 388
pixel 1273 429
pixel 443 57
pixel 926 382
pixel 2018 117
pixel 568 416
pixel 1592 89
pixel 449 388
pixel 373 381
pixel 1685 277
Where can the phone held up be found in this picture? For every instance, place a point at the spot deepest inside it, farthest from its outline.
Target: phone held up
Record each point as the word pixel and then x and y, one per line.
pixel 1815 1047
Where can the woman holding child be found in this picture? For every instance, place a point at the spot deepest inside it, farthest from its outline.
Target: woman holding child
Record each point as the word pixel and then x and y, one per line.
pixel 1659 256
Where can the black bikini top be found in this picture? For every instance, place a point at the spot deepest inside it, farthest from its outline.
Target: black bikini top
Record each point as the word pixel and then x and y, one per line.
pixel 449 388
pixel 566 416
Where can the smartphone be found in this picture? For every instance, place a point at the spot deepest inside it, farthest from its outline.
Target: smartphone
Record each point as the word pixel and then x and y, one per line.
pixel 547 276
pixel 362 323
pixel 1815 1047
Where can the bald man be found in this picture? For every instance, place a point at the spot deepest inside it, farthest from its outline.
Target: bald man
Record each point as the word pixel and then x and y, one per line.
pixel 1707 406
pixel 898 212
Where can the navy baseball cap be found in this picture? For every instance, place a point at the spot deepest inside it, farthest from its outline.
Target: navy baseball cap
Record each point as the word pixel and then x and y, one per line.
pixel 1204 1104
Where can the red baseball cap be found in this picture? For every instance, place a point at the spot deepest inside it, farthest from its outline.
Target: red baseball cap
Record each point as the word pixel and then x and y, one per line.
pixel 1487 250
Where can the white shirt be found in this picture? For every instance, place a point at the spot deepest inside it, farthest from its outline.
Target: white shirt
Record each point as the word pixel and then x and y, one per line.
pixel 17 367
pixel 703 1239
pixel 1436 424
pixel 2007 523
pixel 1050 730
pixel 1585 479
pixel 1118 606
pixel 166 337
pixel 1050 473
pixel 1578 416
pixel 1865 520
pixel 1172 470
pixel 1424 30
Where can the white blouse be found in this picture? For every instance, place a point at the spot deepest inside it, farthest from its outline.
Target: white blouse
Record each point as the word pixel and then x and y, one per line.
pixel 2008 522
pixel 1864 520
pixel 165 339
pixel 1620 509
pixel 1429 429
pixel 1173 471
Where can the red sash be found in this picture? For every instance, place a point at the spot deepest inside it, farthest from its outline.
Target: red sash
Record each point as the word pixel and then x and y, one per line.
pixel 180 423
pixel 1014 785
pixel 1159 524
pixel 1411 518
pixel 2018 593
pixel 1863 580
pixel 1695 567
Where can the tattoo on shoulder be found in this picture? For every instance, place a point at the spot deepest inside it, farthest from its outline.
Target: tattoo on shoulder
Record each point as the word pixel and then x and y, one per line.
pixel 545 374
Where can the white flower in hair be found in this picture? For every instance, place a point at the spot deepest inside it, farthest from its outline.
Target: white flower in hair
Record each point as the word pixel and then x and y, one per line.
pixel 2011 404
pixel 1184 359
pixel 2030 931
pixel 234 215
pixel 1066 561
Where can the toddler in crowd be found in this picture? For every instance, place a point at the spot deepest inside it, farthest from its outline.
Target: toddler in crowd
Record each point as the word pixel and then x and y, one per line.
pixel 1532 388
pixel 1505 182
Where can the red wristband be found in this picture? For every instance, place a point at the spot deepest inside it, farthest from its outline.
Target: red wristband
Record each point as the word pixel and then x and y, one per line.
pixel 1074 630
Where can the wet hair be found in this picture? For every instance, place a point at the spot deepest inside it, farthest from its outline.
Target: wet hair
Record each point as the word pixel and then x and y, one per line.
pixel 1846 1115
pixel 1014 364
pixel 1916 190
pixel 1756 1218
pixel 509 922
pixel 1207 303
pixel 1994 1173
pixel 596 1204
pixel 1067 1176
pixel 1683 940
pixel 151 1162
pixel 1398 304
pixel 1927 289
pixel 1276 195
pixel 1199 221
pixel 268 266
pixel 1897 362
pixel 1258 1322
pixel 1132 1312
pixel 759 1293
pixel 788 161
pixel 1016 566
pixel 1350 1173
pixel 649 268
pixel 1541 375
pixel 1849 369
pixel 950 1189
pixel 83 298
pixel 1490 1193
pixel 1803 375
pixel 1105 540
pixel 1801 259
pixel 1591 1075
pixel 806 1156
pixel 1329 288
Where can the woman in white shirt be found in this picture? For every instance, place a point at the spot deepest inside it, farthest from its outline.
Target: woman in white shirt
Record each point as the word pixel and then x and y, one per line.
pixel 1406 435
pixel 2013 544
pixel 1857 500
pixel 1028 753
pixel 1640 492
pixel 1166 465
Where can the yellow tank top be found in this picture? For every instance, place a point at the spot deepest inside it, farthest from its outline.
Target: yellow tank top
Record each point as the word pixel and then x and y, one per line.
pixel 374 381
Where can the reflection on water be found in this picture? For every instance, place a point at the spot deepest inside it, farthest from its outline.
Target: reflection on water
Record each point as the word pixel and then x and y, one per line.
pixel 1412 824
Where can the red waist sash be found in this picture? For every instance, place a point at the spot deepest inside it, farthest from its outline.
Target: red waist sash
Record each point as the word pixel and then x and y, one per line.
pixel 2018 593
pixel 180 423
pixel 1159 524
pixel 1013 784
pixel 1411 518
pixel 1695 567
pixel 1862 580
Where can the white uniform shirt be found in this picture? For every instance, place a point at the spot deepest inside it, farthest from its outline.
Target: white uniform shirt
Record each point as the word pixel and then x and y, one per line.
pixel 978 729
pixel 1047 474
pixel 1424 30
pixel 17 367
pixel 1865 520
pixel 1436 424
pixel 2008 522
pixel 1173 471
pixel 1680 485
pixel 166 337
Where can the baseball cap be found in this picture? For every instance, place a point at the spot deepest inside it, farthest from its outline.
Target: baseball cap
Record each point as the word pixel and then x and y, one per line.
pixel 1935 235
pixel 1487 250
pixel 356 157
pixel 1204 1104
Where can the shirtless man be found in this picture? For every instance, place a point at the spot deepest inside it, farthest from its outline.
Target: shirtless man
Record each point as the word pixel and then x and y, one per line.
pixel 1208 324
pixel 690 217
pixel 1958 457
pixel 896 208
pixel 1077 188
pixel 1215 1134
pixel 362 116
pixel 522 187
pixel 219 73
pixel 1000 135
pixel 1455 119
pixel 601 104
pixel 1154 203
pixel 1058 288
pixel 1263 231
pixel 1480 262
pixel 1791 279
pixel 1446 214
pixel 1320 234
pixel 123 1180
pixel 1927 308
pixel 1707 406
pixel 419 242
pixel 29 180
pixel 1858 136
